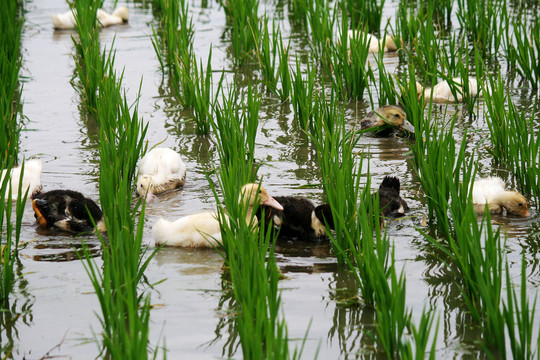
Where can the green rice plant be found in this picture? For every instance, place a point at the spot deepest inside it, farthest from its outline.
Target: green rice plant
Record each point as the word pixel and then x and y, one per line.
pixel 393 317
pixel 88 61
pixel 266 55
pixel 299 10
pixel 263 334
pixel 235 127
pixel 481 21
pixel 303 95
pixel 365 14
pixel 10 93
pixel 203 96
pixel 525 50
pixel 425 60
pixel 384 85
pixel 407 22
pixel 10 232
pixel 321 20
pixel 348 65
pixel 284 70
pixel 243 21
pixel 519 316
pixel 125 312
pixel 421 336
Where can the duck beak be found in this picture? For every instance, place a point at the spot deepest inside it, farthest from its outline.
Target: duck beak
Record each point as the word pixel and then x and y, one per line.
pixel 40 218
pixel 408 126
pixel 273 203
pixel 527 213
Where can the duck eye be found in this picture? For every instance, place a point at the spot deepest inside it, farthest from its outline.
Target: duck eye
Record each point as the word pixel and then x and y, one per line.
pixel 396 115
pixel 520 204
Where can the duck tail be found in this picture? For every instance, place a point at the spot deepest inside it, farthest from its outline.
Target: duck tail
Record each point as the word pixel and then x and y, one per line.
pixel 159 231
pixel 390 182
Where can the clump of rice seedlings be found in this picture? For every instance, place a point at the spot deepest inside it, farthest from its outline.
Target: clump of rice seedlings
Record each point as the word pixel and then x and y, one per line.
pixel 348 64
pixel 524 49
pixel 176 54
pixel 235 127
pixel 247 247
pixel 421 335
pixel 481 19
pixel 10 232
pixel 10 64
pixel 303 95
pixel 88 61
pixel 203 90
pixel 321 20
pixel 243 21
pixel 117 281
pixel 365 14
pixel 299 10
pixel 385 85
pixel 341 183
pixel 519 316
pixel 514 138
pixel 425 60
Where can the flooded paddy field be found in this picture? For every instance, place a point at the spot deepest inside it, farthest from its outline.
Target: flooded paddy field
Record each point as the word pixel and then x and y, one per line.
pixel 192 315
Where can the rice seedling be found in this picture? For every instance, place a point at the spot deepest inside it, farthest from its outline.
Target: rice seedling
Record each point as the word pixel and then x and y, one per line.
pixel 11 231
pixel 519 316
pixel 365 14
pixel 235 127
pixel 321 20
pixel 203 96
pixel 385 85
pixel 525 50
pixel 481 20
pixel 10 93
pixel 125 313
pixel 303 95
pixel 421 335
pixel 341 180
pixel 243 20
pixel 424 58
pixel 176 54
pixel 267 55
pixel 347 64
pixel 299 9
pixel 88 61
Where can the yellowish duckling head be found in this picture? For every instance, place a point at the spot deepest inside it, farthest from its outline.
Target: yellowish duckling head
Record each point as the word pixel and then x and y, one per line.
pixel 387 115
pixel 145 187
pixel 515 204
pixel 257 194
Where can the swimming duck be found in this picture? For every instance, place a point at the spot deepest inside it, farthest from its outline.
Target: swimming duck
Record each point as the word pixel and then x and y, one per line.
pixel 160 169
pixel 442 92
pixel 390 201
pixel 67 210
pixel 387 119
pixel 31 180
pixel 491 191
pixel 67 21
pixel 203 229
pixel 298 219
pixel 388 44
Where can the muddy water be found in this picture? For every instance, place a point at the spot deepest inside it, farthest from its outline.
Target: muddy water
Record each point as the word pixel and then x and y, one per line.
pixel 192 313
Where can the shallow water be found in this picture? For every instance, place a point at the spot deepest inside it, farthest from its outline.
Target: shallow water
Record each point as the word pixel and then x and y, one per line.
pixel 192 308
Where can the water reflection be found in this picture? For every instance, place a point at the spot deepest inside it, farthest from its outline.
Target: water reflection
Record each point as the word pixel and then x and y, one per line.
pixel 226 330
pixel 353 324
pixel 14 311
pixel 57 245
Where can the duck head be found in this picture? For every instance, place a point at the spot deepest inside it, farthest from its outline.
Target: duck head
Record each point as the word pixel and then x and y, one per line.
pixel 387 115
pixel 256 194
pixel 515 204
pixel 145 188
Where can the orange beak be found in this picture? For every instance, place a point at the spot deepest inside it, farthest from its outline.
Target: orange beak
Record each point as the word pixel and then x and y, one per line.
pixel 40 218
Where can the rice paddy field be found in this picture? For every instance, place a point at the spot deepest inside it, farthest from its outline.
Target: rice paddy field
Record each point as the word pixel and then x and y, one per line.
pixel 52 310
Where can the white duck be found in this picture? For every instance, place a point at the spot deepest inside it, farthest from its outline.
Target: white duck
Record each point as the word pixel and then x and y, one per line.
pixel 160 169
pixel 388 44
pixel 491 191
pixel 67 21
pixel 31 180
pixel 442 92
pixel 203 229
